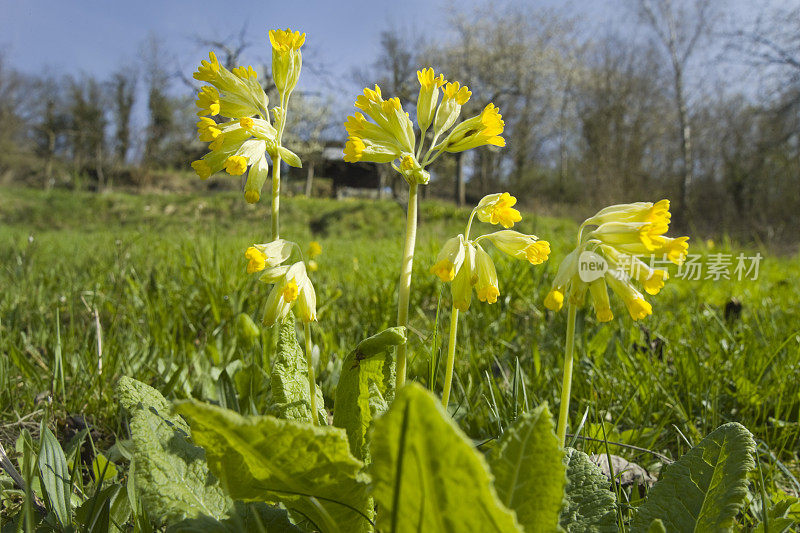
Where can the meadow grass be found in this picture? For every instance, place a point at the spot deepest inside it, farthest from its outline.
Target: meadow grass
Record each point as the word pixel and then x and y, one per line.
pixel 160 279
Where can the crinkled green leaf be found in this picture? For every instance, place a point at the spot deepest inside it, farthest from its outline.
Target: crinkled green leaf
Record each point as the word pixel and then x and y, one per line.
pixel 589 505
pixel 706 488
pixel 427 476
pixel 291 393
pixel 245 518
pixel 529 471
pixel 366 386
pixel 261 458
pixel 134 394
pixel 172 477
pixel 55 476
pixel 381 342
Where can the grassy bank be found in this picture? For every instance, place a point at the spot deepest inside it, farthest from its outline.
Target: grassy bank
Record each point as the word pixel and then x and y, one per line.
pixel 160 281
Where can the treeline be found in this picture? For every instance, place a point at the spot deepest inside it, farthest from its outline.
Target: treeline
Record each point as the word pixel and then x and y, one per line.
pixel 80 131
pixel 135 128
pixel 654 109
pixel 593 116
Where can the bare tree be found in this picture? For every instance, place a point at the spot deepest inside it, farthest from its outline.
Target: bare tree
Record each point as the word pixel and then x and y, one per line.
pixel 678 28
pixel 395 67
pixel 10 94
pixel 51 123
pixel 518 59
pixel 773 42
pixel 87 129
pixel 620 104
pixel 161 122
pixel 123 87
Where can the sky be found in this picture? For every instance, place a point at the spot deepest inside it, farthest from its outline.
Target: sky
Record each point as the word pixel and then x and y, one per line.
pixel 95 37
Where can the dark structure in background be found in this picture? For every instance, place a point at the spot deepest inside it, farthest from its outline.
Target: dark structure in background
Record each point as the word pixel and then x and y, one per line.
pixel 348 179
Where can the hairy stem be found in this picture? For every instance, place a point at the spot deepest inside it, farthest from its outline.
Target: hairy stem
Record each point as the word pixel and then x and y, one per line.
pixel 451 357
pixel 566 387
pixel 312 380
pixel 406 268
pixel 276 196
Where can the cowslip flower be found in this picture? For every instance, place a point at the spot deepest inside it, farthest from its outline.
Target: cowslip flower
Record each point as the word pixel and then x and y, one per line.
pixel 606 257
pixel 292 286
pixel 429 84
pixel 520 246
pixel 450 258
pixel 314 249
pixel 381 131
pixel 232 94
pixel 466 265
pixel 623 232
pixel 287 59
pixel 466 260
pixel 248 141
pixel 454 96
pixel 388 137
pixel 261 256
pixel 235 147
pixel 477 131
pixel 498 209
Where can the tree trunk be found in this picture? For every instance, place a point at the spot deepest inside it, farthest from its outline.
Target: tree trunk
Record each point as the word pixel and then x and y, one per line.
pixel 687 170
pixel 460 189
pixel 309 179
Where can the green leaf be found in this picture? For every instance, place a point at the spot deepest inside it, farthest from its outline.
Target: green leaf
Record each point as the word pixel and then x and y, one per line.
pixel 172 477
pixel 252 386
pixel 261 458
pixel 226 391
pixel 706 488
pixel 366 386
pixel 246 518
pixel 656 526
pixel 290 389
pixel 529 471
pixel 381 342
pixel 55 477
pixel 102 521
pixel 426 475
pixel 103 469
pixel 89 514
pixel 134 394
pixel 590 506
pixel 290 157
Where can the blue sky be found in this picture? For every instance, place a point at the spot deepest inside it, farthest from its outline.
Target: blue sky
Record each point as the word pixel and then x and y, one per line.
pixel 96 37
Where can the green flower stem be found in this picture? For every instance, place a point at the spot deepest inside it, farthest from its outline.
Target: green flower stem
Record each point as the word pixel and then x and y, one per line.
pixel 312 380
pixel 451 357
pixel 567 384
pixel 406 268
pixel 276 196
pixel 469 225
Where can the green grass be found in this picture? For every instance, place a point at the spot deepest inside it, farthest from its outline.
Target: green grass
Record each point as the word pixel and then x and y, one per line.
pixel 165 275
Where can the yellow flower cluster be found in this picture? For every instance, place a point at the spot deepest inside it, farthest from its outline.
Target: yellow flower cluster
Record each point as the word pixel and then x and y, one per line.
pixel 466 264
pixel 382 132
pixel 286 59
pixel 622 234
pixel 291 282
pixel 249 140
